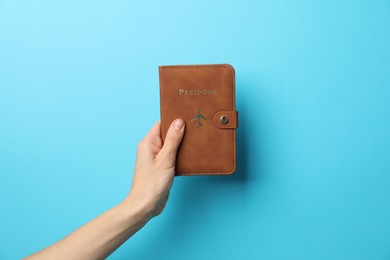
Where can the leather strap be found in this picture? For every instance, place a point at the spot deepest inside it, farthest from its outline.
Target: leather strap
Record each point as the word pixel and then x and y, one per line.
pixel 229 117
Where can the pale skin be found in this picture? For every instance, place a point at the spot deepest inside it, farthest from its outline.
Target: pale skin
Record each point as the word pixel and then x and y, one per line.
pixel 152 180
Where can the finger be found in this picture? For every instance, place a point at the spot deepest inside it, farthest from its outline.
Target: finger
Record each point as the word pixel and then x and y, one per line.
pixel 154 131
pixel 172 141
pixel 151 144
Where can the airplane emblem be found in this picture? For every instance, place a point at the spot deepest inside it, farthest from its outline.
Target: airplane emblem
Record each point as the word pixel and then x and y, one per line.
pixel 198 117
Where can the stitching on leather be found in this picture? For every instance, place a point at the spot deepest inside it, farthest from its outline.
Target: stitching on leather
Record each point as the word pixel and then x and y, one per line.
pixel 233 108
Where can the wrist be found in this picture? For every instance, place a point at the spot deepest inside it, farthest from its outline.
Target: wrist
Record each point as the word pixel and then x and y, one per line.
pixel 136 207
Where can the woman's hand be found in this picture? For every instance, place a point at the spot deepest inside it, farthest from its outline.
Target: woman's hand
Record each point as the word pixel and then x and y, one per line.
pixel 152 180
pixel 155 168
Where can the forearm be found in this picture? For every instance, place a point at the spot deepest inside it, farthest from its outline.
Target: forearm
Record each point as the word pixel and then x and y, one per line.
pixel 152 181
pixel 100 237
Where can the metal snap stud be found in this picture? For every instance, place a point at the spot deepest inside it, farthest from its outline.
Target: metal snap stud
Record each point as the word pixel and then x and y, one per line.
pixel 224 120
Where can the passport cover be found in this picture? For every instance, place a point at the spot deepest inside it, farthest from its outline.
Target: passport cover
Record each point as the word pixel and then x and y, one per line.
pixel 204 97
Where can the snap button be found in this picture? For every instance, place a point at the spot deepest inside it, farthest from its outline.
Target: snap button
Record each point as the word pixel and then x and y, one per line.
pixel 224 120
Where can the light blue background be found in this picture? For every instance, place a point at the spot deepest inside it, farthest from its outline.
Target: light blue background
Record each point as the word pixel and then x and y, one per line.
pixel 79 89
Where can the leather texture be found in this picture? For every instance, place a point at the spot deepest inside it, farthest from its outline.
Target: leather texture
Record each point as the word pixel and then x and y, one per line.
pixel 204 97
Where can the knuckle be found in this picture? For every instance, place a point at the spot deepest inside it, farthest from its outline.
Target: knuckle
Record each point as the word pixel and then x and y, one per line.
pixel 141 145
pixel 156 140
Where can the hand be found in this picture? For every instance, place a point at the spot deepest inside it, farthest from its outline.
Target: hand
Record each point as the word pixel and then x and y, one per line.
pixel 155 168
pixel 152 180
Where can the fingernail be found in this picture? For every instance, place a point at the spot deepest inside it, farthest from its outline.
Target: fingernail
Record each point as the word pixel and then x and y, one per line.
pixel 178 124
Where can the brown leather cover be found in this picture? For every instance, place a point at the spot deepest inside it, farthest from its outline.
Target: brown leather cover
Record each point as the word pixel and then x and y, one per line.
pixel 204 97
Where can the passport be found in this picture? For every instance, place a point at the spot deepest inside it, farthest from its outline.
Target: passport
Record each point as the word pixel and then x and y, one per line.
pixel 204 97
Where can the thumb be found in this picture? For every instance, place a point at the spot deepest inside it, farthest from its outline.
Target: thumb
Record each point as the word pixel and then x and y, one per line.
pixel 172 141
